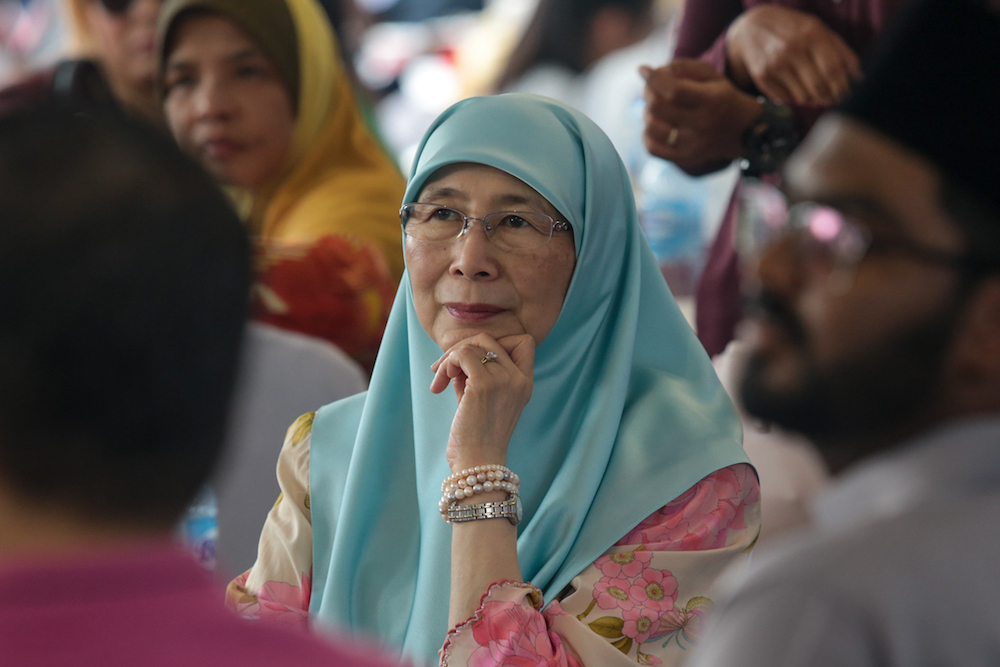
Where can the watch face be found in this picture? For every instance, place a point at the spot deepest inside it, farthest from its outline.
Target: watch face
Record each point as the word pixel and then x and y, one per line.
pixel 518 508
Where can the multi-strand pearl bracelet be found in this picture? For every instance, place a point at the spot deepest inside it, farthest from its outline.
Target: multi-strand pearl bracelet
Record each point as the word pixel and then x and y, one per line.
pixel 480 479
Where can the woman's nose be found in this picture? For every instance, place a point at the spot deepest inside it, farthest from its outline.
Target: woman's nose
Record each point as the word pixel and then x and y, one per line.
pixel 474 254
pixel 212 100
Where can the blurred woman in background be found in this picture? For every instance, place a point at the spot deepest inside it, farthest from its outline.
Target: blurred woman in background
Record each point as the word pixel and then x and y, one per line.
pixel 120 36
pixel 566 37
pixel 256 91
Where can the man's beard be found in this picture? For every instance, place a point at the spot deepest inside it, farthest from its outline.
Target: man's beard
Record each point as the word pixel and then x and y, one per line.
pixel 863 404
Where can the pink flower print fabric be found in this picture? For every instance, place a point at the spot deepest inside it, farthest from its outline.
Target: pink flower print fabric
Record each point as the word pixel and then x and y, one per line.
pixel 703 517
pixel 643 602
pixel 275 601
pixel 511 634
pixel 654 589
pixel 625 564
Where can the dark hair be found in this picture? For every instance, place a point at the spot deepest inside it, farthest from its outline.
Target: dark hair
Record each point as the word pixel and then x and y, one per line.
pixel 979 221
pixel 124 287
pixel 557 34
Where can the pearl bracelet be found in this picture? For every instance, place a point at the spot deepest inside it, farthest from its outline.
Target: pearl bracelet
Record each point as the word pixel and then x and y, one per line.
pixel 480 479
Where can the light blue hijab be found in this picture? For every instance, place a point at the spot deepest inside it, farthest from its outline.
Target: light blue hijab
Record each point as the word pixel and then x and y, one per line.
pixel 626 413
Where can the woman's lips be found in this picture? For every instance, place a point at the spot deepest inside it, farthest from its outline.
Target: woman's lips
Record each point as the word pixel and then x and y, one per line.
pixel 221 149
pixel 472 312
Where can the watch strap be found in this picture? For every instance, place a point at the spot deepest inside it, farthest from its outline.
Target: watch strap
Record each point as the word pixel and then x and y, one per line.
pixel 504 509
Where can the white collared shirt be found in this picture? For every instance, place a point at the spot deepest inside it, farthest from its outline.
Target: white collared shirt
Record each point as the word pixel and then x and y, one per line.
pixel 901 567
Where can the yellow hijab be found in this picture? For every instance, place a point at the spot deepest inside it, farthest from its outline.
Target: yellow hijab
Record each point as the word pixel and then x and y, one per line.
pixel 337 179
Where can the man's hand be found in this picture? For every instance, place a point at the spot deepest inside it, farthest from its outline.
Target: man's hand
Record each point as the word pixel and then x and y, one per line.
pixel 695 117
pixel 790 56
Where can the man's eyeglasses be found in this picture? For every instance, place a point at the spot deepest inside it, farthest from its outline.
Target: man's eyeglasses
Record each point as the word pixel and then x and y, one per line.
pixel 509 230
pixel 116 6
pixel 834 242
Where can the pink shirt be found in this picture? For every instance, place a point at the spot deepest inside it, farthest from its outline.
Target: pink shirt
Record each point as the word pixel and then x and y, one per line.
pixel 148 604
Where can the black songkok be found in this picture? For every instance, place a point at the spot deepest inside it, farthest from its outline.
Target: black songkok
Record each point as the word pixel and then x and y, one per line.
pixel 934 86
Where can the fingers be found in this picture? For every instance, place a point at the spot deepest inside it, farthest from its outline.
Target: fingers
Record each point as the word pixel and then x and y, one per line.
pixel 693 69
pixel 464 360
pixel 792 56
pixel 832 71
pixel 521 349
pixel 678 85
pixel 850 60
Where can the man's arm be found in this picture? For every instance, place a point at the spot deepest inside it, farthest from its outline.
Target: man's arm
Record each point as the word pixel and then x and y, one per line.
pixel 699 120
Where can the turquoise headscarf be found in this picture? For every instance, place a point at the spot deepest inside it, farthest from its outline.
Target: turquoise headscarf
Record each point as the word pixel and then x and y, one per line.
pixel 626 413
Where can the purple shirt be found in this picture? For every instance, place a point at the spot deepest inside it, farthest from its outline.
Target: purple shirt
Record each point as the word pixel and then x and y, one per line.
pixel 703 35
pixel 148 604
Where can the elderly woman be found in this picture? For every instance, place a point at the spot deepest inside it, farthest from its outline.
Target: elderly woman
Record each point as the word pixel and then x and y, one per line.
pixel 583 484
pixel 256 91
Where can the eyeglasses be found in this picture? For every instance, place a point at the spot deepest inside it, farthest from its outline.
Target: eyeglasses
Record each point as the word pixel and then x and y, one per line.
pixel 509 230
pixel 835 243
pixel 116 6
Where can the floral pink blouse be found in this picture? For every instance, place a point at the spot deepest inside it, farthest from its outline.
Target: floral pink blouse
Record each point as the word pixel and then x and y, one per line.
pixel 644 601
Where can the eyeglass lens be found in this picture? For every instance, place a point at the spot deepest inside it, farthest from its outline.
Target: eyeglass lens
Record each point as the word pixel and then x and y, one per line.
pixel 824 232
pixel 516 230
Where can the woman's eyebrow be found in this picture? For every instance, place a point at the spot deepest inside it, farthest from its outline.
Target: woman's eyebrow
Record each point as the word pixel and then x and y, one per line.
pixel 244 54
pixel 513 199
pixel 443 193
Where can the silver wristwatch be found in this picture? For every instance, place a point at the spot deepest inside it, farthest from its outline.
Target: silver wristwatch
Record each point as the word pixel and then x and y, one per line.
pixel 509 509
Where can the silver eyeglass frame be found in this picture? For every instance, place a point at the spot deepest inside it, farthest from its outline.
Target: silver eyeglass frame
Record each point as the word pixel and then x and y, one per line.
pixel 556 225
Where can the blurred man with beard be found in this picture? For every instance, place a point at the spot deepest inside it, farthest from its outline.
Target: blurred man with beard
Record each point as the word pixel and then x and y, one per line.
pixel 877 335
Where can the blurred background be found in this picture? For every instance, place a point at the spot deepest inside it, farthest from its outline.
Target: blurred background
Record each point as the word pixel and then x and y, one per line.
pixel 411 59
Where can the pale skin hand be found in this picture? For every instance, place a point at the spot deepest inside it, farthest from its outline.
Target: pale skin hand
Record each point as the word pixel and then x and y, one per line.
pixel 709 113
pixel 491 397
pixel 790 56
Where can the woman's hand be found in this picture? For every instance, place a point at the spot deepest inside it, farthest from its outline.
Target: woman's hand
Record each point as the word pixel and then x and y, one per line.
pixel 490 395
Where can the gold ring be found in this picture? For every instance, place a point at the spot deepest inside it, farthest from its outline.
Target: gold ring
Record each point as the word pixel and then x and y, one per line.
pixel 672 137
pixel 490 356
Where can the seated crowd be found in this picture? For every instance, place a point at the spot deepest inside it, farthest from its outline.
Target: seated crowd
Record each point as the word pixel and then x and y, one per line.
pixel 545 468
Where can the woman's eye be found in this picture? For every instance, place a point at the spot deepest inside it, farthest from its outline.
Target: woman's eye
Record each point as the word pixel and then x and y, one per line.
pixel 445 215
pixel 182 81
pixel 249 72
pixel 514 222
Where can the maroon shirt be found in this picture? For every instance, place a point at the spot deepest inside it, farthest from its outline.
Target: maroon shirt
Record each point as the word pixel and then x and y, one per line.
pixel 703 26
pixel 703 35
pixel 149 605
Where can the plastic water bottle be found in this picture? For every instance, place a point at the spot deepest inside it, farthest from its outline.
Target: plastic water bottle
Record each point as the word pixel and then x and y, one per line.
pixel 199 529
pixel 671 207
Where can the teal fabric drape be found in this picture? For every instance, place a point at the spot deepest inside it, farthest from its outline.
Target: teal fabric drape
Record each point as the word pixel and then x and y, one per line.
pixel 626 412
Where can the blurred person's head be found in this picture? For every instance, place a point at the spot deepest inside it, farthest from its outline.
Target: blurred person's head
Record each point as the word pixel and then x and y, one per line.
pixel 121 36
pixel 879 316
pixel 124 284
pixel 574 34
pixel 226 102
pixel 257 92
pixel 231 86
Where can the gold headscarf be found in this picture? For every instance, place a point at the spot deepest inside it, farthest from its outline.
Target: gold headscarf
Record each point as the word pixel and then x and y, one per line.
pixel 337 179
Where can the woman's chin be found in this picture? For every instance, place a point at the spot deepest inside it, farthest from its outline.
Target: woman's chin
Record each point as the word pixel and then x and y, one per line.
pixel 448 339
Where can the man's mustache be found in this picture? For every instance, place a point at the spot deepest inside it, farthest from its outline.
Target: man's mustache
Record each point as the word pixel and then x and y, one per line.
pixel 766 304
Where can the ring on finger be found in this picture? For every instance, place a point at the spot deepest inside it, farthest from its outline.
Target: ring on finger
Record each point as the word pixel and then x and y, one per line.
pixel 489 356
pixel 672 137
